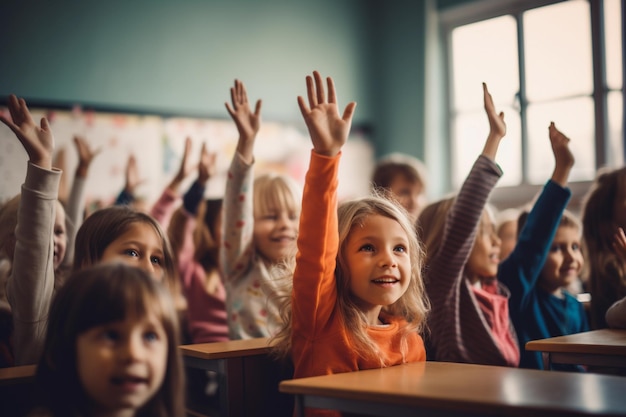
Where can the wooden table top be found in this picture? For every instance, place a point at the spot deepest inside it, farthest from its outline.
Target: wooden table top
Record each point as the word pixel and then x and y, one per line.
pixel 599 342
pixel 457 388
pixel 230 349
pixel 17 374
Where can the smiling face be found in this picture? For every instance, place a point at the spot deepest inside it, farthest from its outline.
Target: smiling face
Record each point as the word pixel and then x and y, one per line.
pixel 121 365
pixel 378 264
pixel 564 261
pixel 140 246
pixel 485 255
pixel 275 233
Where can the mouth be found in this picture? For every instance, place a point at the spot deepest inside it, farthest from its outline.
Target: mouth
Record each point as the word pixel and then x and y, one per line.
pixel 385 280
pixel 129 382
pixel 495 257
pixel 283 239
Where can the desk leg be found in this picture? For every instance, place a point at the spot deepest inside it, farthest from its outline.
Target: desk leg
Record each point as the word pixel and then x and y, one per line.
pixel 547 363
pixel 231 384
pixel 299 405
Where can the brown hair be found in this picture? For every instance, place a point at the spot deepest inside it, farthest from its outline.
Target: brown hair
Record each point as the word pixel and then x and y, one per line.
pixel 605 271
pixel 91 297
pixel 103 226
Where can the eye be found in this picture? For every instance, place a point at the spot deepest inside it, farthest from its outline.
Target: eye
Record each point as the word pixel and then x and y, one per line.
pixel 400 248
pixel 156 260
pixel 555 248
pixel 110 335
pixel 132 252
pixel 59 231
pixel 367 248
pixel 151 336
pixel 576 247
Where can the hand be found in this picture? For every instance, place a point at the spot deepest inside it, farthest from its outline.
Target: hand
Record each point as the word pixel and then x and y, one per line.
pixel 619 243
pixel 328 131
pixel 497 127
pixel 207 166
pixel 185 169
pixel 564 159
pixel 132 175
pixel 85 156
pixel 247 123
pixel 38 141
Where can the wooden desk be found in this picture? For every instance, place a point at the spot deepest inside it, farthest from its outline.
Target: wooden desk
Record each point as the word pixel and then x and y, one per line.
pixel 246 373
pixel 605 347
pixel 17 375
pixel 453 389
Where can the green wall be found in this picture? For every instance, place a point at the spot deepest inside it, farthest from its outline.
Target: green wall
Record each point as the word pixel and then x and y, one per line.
pixel 181 57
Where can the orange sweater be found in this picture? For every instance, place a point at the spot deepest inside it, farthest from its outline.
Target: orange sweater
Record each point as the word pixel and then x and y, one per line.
pixel 320 342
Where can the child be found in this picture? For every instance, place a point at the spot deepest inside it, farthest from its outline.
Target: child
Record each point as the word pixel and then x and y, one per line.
pixel 260 227
pixel 470 318
pixel 193 231
pixel 123 234
pixel 35 231
pixel 604 211
pixel 358 299
pixel 111 347
pixel 545 261
pixel 405 178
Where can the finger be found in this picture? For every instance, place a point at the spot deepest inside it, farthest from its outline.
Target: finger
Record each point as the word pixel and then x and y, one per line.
pixel 257 108
pixel 45 126
pixel 244 94
pixel 14 106
pixel 230 110
pixel 332 96
pixel 233 97
pixel 25 113
pixel 319 86
pixel 310 91
pixel 349 112
pixel 304 109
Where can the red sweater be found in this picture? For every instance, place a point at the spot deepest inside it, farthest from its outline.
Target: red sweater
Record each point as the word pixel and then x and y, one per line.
pixel 320 342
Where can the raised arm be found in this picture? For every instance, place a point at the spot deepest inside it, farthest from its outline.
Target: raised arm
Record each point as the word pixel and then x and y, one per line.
pixel 31 284
pixel 314 288
pixel 238 212
pixel 563 157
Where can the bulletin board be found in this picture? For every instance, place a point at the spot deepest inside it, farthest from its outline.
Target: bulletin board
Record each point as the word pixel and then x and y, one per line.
pixel 157 142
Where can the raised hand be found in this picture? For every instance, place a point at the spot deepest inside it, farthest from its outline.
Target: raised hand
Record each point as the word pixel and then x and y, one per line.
pixel 38 141
pixel 247 123
pixel 564 159
pixel 497 126
pixel 328 130
pixel 85 155
pixel 132 175
pixel 206 167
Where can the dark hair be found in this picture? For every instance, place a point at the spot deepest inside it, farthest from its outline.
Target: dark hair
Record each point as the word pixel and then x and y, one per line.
pixel 91 297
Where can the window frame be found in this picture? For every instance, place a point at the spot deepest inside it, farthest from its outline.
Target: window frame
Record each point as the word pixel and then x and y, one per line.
pixel 476 11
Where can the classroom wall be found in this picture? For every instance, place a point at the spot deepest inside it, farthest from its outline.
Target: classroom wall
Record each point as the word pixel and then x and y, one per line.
pixel 180 58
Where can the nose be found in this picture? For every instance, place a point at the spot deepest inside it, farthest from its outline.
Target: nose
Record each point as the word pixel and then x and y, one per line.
pixel 132 349
pixel 146 264
pixel 387 259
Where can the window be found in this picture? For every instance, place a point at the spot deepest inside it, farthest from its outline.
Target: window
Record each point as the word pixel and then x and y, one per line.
pixel 543 61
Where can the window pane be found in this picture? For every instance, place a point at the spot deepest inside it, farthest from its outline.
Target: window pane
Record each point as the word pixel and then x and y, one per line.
pixel 613 42
pixel 616 131
pixel 484 52
pixel 471 130
pixel 557 42
pixel 575 119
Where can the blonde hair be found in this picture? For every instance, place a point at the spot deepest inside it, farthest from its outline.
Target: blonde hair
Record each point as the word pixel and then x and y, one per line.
pixel 274 191
pixel 413 305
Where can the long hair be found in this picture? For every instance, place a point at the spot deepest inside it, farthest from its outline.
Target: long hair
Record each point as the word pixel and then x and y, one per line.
pixel 92 297
pixel 104 226
pixel 413 305
pixel 606 271
pixel 205 238
pixel 431 224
